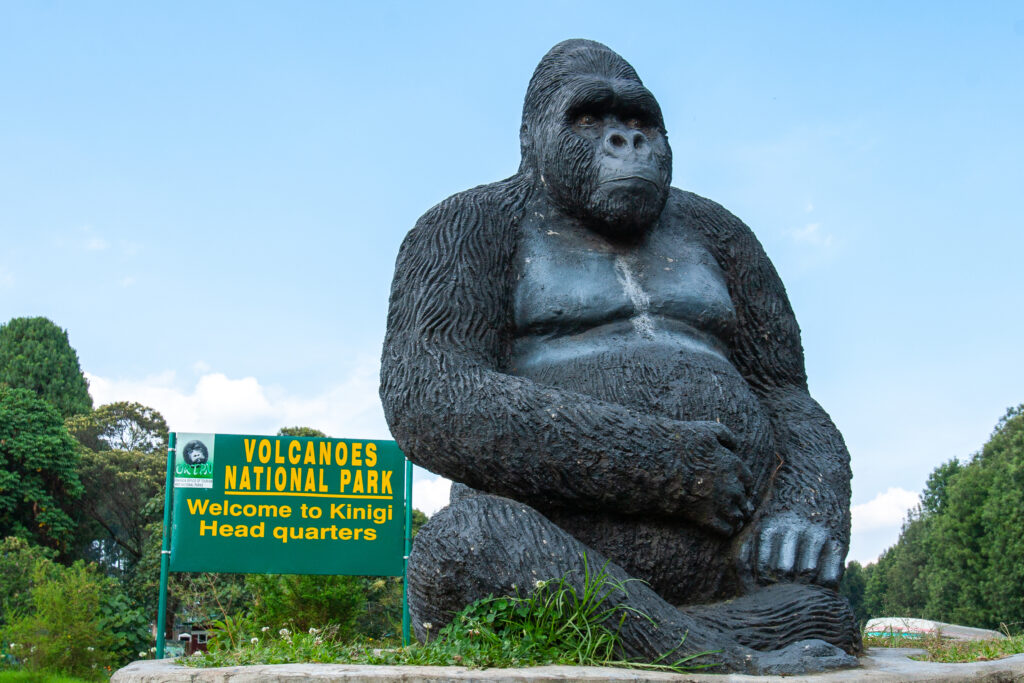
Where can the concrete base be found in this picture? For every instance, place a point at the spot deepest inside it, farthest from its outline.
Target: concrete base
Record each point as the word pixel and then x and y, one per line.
pixel 881 665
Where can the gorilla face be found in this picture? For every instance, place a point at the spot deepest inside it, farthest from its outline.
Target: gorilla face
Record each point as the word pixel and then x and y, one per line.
pixel 603 155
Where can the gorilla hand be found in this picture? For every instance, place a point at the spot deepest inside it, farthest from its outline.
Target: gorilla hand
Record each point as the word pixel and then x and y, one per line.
pixel 791 547
pixel 717 493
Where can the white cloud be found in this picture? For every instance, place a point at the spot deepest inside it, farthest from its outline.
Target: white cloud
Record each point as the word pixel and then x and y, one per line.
pixel 430 495
pixel 885 510
pixel 877 523
pixel 6 277
pixel 127 281
pixel 218 403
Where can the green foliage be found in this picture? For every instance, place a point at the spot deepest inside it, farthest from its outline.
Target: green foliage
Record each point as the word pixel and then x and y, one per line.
pixel 122 499
pixel 553 625
pixel 122 426
pixel 18 563
pixel 38 470
pixel 35 354
pixel 303 601
pixel 47 605
pixel 897 585
pixel 960 557
pixel 301 431
pixel 125 621
pixel 948 650
pixel 64 629
pixel 22 676
pixel 852 588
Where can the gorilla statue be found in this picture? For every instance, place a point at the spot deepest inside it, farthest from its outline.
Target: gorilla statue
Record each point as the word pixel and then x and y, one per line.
pixel 609 369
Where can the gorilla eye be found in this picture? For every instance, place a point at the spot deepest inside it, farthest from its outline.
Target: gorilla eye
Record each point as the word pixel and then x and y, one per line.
pixel 586 120
pixel 635 123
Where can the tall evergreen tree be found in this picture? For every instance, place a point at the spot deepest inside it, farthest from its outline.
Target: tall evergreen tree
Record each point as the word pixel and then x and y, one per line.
pixel 35 354
pixel 38 470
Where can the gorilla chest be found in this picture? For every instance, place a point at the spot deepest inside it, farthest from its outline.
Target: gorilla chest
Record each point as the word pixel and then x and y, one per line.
pixel 571 281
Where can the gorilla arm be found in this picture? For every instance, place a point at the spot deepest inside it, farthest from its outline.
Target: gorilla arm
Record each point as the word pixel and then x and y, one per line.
pixel 453 410
pixel 803 529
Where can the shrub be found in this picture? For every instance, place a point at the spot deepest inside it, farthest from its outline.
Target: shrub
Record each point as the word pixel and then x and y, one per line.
pixel 64 631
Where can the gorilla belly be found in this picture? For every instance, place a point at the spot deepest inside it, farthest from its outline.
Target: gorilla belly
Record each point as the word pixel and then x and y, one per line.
pixel 667 373
pixel 675 374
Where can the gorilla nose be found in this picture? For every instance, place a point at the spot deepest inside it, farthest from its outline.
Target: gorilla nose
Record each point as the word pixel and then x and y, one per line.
pixel 622 143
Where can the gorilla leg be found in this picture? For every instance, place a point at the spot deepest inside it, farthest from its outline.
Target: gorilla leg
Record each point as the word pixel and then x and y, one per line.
pixel 482 544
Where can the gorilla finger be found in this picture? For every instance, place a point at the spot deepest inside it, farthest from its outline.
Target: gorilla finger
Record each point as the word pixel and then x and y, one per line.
pixel 831 564
pixel 746 550
pixel 744 475
pixel 724 435
pixel 787 551
pixel 810 552
pixel 768 549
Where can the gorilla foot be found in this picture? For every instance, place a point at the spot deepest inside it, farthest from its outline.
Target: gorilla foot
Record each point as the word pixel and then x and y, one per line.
pixel 802 657
pixel 484 545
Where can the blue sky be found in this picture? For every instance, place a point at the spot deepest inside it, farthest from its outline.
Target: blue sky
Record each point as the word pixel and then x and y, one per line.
pixel 210 196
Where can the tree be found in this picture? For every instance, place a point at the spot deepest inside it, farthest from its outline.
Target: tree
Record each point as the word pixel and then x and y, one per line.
pixel 960 556
pixel 18 561
pixel 35 354
pixel 936 490
pixel 301 431
pixel 38 470
pixel 121 426
pixel 896 586
pixel 123 496
pixel 852 588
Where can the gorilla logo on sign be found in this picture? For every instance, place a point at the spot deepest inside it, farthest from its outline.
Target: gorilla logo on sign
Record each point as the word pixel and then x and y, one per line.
pixel 610 369
pixel 195 452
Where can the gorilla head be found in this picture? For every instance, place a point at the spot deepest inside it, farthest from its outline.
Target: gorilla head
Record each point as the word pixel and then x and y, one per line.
pixel 594 138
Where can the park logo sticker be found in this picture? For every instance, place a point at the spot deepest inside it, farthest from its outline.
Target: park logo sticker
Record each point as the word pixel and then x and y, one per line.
pixel 193 462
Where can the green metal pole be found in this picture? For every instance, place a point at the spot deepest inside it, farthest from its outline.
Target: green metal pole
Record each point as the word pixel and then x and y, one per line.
pixel 408 548
pixel 165 551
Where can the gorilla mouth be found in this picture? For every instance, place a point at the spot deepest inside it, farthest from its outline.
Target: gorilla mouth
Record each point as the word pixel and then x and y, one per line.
pixel 631 178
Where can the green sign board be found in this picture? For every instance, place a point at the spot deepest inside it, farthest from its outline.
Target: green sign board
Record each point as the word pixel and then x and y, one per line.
pixel 287 505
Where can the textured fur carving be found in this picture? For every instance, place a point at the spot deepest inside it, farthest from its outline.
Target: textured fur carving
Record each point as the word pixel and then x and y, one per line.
pixel 616 455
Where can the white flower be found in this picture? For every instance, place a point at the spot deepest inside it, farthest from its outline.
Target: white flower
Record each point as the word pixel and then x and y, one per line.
pixel 318 640
pixel 14 645
pixel 153 649
pixel 91 648
pixel 313 631
pixel 254 641
pixel 142 654
pixel 427 625
pixel 284 633
pixel 33 649
pixel 265 629
pixel 540 584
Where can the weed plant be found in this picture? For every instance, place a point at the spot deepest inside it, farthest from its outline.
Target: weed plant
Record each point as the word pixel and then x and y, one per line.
pixel 948 650
pixel 553 624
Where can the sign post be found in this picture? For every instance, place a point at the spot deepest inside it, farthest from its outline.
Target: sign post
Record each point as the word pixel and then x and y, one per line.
pixel 285 505
pixel 165 552
pixel 408 549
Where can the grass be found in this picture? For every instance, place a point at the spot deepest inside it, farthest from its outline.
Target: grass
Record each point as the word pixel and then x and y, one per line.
pixel 553 624
pixel 20 676
pixel 940 649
